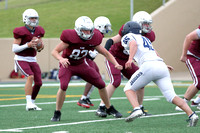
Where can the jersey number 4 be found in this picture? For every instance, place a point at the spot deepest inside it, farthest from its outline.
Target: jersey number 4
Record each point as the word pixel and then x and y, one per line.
pixel 147 43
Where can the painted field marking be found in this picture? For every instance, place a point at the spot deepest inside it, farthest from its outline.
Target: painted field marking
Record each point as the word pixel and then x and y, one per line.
pixel 83 122
pixel 39 96
pixel 74 101
pixel 87 111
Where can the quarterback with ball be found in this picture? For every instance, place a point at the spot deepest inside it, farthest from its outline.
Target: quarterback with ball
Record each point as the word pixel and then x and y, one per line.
pixel 27 41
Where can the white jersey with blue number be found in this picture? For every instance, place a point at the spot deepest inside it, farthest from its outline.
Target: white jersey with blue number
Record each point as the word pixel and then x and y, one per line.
pixel 145 51
pixel 151 67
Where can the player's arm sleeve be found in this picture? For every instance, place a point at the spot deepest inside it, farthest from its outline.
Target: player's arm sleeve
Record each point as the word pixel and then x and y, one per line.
pixel 108 44
pixel 18 48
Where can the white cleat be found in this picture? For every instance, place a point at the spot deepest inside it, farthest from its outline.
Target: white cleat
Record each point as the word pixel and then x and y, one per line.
pixel 135 114
pixel 198 106
pixel 36 107
pixel 178 109
pixel 193 120
pixel 30 106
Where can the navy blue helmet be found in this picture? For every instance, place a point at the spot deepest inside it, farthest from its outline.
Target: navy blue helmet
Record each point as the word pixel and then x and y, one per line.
pixel 131 27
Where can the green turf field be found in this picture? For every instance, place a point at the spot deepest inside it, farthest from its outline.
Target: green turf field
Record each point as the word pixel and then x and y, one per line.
pixel 75 119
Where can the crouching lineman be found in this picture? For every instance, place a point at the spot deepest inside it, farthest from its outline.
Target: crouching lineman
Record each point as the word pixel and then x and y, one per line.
pixel 74 45
pixel 102 24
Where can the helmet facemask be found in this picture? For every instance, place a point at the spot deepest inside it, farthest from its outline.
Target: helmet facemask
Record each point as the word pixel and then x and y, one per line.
pixel 105 29
pixel 31 22
pixel 144 19
pixel 85 36
pixel 146 27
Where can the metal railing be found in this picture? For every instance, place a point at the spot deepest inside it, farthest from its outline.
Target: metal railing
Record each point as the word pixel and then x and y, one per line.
pixel 132 7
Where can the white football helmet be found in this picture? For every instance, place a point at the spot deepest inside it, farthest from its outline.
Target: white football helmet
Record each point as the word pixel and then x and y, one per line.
pixel 30 13
pixel 84 23
pixel 103 25
pixel 144 19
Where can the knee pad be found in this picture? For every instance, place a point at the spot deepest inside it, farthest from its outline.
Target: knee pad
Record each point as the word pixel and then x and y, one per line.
pixel 127 87
pixel 170 96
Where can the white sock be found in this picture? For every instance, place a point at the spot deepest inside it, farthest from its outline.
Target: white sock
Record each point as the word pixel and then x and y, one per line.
pixel 33 101
pixel 136 108
pixel 185 100
pixel 102 104
pixel 28 99
pixel 83 97
pixel 141 106
pixel 197 100
pixel 90 92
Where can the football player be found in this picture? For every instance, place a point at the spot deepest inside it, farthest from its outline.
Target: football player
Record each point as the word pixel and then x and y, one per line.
pixel 25 51
pixel 115 48
pixel 191 57
pixel 75 45
pixel 151 68
pixel 102 24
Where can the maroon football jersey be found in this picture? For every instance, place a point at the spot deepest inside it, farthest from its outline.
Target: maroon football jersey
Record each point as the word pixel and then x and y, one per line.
pixel 78 48
pixel 195 47
pixel 117 49
pixel 26 36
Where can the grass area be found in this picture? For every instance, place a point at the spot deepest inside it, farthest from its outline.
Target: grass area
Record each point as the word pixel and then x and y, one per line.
pixel 58 15
pixel 164 119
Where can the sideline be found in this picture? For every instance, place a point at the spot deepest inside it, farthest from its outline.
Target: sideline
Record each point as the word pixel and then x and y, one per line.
pixel 83 122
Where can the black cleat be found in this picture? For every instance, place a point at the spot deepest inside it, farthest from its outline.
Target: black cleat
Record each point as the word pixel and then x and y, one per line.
pixel 83 103
pixel 145 112
pixel 114 112
pixel 89 102
pixel 56 117
pixel 101 111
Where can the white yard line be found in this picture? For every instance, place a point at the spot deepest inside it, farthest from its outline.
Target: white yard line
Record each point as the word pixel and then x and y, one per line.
pixel 84 122
pixel 87 111
pixel 74 101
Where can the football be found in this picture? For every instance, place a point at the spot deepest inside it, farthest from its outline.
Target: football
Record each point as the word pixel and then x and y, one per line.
pixel 39 45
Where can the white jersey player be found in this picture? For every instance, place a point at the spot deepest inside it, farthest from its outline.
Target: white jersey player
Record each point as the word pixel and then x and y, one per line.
pixel 151 68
